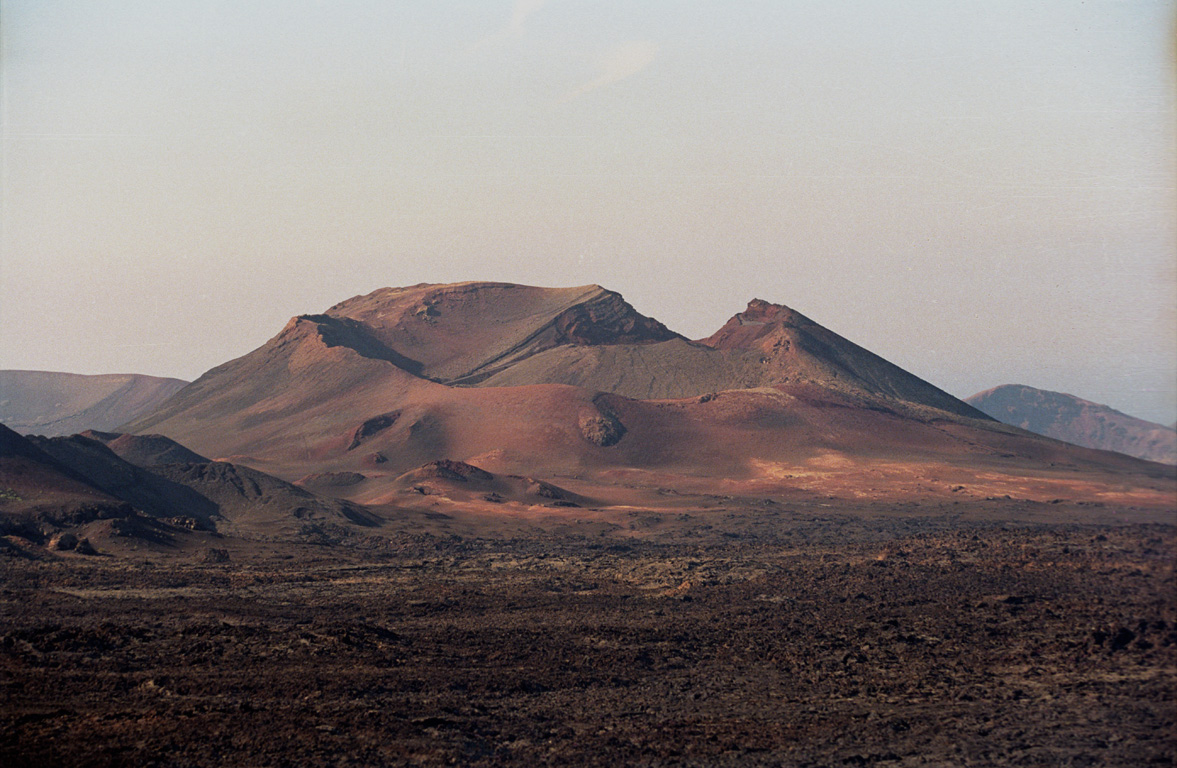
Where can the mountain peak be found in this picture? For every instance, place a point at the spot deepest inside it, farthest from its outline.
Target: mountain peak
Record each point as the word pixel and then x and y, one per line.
pixel 462 333
pixel 607 318
pixel 759 320
pixel 761 311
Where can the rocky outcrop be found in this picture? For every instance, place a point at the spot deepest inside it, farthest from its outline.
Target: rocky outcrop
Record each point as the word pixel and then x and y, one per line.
pixel 608 319
pixel 371 427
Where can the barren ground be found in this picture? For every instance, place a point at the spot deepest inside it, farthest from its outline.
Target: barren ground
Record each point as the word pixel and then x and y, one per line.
pixel 892 642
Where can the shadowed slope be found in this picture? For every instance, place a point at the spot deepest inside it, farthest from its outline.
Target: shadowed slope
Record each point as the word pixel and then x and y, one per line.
pixel 767 345
pixel 315 361
pixel 143 489
pixel 31 479
pixel 204 496
pixel 1078 421
pixel 794 349
pixel 145 450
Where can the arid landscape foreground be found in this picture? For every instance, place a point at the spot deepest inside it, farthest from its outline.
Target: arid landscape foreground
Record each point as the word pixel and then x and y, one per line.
pixel 913 636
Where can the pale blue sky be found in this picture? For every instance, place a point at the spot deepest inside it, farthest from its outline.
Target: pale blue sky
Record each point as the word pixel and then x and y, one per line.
pixel 982 192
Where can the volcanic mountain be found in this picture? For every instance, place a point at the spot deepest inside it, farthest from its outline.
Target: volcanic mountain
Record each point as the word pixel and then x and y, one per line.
pixel 574 386
pixel 48 403
pixel 1074 420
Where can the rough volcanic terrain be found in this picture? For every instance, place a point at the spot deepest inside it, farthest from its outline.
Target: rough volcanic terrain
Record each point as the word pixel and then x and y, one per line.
pixel 834 640
pixel 485 524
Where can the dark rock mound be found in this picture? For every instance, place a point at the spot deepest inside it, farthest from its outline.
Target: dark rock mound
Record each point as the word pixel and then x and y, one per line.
pixel 84 547
pixel 247 498
pixel 602 428
pixel 145 450
pixel 459 481
pixel 371 427
pixel 63 542
pixel 544 490
pixel 447 469
pixel 331 479
pixel 213 556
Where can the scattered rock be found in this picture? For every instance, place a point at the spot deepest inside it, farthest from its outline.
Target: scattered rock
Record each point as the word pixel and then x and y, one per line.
pixel 457 471
pixel 602 429
pixel 63 542
pixel 213 556
pixel 544 490
pixel 372 426
pixel 1122 639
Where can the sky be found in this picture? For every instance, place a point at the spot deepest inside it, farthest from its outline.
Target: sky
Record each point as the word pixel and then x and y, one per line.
pixel 981 191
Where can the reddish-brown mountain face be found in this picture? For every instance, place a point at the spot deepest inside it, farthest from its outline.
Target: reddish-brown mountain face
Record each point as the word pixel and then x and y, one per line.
pixel 466 332
pixel 793 349
pixel 760 320
pixel 574 386
pixel 1074 420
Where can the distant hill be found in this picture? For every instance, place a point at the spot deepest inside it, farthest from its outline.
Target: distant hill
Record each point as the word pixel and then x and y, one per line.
pixel 1078 421
pixel 54 404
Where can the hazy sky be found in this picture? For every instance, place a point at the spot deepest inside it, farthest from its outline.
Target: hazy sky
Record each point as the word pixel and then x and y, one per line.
pixel 981 191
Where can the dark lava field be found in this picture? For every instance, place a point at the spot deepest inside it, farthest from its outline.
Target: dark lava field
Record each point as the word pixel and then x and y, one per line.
pixel 899 644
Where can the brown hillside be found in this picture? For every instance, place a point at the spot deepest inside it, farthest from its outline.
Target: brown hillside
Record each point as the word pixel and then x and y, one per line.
pixel 30 476
pixel 145 450
pixel 767 345
pixel 466 332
